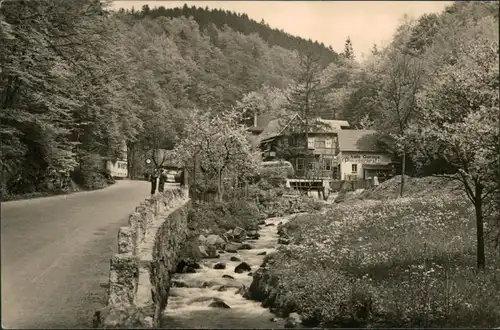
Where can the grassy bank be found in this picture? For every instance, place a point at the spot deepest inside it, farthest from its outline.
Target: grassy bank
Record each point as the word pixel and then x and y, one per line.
pixel 395 263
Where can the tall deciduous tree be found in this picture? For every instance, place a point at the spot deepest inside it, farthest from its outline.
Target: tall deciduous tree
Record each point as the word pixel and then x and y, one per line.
pixel 402 79
pixel 460 121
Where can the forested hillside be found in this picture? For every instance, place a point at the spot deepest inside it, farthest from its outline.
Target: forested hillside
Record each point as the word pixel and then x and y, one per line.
pixel 205 17
pixel 77 81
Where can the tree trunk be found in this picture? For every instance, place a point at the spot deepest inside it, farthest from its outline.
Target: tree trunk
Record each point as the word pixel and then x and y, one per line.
pixel 219 186
pixel 403 171
pixel 193 181
pixel 478 205
pixel 130 161
pixel 306 158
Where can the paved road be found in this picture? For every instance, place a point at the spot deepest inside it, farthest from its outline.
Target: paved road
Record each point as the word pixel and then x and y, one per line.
pixel 56 251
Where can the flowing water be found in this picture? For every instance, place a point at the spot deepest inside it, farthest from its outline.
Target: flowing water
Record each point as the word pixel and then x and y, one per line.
pixel 188 307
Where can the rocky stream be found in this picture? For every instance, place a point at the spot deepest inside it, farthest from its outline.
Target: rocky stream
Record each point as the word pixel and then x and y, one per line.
pixel 212 292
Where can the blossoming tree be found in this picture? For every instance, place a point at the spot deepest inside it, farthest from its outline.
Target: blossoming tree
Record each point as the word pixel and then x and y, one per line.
pixel 219 146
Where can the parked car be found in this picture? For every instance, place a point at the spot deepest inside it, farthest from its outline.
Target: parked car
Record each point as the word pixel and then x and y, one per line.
pixel 171 175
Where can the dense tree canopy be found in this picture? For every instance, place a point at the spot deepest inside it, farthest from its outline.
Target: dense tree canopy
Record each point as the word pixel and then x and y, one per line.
pixel 78 81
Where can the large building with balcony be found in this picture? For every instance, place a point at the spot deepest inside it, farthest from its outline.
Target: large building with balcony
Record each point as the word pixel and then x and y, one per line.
pixel 311 157
pixel 331 152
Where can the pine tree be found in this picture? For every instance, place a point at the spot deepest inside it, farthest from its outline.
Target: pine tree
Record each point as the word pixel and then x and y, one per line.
pixel 348 51
pixel 307 97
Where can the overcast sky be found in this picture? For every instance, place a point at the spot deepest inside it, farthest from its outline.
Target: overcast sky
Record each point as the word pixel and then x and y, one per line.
pixel 330 22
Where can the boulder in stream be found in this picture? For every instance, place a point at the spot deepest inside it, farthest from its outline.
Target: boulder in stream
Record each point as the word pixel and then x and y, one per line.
pixel 242 291
pixel 228 235
pixel 187 266
pixel 269 224
pixel 216 241
pixel 178 284
pixel 209 251
pixel 222 288
pixel 243 267
pixel 220 265
pixel 245 246
pixel 262 253
pixel 228 276
pixel 189 270
pixel 253 234
pixel 218 303
pixel 231 248
pixel 239 234
pixel 293 320
pixel 233 258
pixel 262 222
pixel 203 251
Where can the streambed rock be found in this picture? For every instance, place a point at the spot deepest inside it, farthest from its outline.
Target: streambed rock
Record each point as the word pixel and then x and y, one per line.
pixel 245 246
pixel 243 267
pixel 222 288
pixel 209 284
pixel 242 290
pixel 178 284
pixel 293 320
pixel 239 234
pixel 233 258
pixel 253 234
pixel 187 266
pixel 232 248
pixel 228 276
pixel 215 240
pixel 208 252
pixel 218 303
pixel 220 265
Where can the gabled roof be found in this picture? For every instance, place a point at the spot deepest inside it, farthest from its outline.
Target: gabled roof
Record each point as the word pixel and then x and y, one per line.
pixel 262 122
pixel 276 126
pixel 356 140
pixel 336 125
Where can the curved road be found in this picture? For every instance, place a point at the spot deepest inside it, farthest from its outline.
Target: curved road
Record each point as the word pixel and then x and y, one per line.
pixel 56 251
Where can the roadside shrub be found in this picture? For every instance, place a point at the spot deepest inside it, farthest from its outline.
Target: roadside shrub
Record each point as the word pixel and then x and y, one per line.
pixel 222 216
pixel 396 263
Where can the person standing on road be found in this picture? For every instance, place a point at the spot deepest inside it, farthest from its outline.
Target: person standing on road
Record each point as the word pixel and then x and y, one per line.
pixel 161 181
pixel 153 179
pixel 181 178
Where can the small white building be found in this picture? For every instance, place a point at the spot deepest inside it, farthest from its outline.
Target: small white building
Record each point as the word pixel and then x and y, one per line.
pixel 118 168
pixel 359 158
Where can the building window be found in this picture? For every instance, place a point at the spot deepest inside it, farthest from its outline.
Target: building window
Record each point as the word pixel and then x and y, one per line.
pixel 310 143
pixel 310 164
pixel 354 168
pixel 300 163
pixel 328 143
pixel 335 172
pixel 327 164
pixel 319 143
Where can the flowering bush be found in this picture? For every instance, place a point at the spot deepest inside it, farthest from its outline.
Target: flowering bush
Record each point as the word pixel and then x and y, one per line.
pixel 404 262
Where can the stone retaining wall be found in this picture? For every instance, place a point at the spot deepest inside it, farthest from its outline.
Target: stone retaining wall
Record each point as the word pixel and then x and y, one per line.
pixel 148 250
